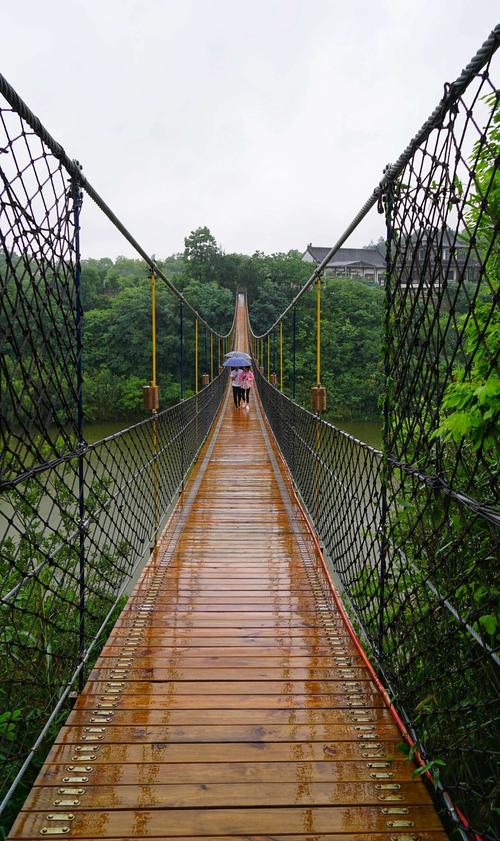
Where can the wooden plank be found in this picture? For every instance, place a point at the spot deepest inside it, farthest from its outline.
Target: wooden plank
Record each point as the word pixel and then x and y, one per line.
pixel 159 684
pixel 128 713
pixel 281 638
pixel 253 821
pixel 138 695
pixel 315 680
pixel 256 751
pixel 231 604
pixel 422 836
pixel 311 732
pixel 154 680
pixel 245 656
pixel 210 795
pixel 222 620
pixel 161 773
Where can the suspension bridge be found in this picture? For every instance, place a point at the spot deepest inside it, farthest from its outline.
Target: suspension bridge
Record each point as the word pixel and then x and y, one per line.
pixel 310 650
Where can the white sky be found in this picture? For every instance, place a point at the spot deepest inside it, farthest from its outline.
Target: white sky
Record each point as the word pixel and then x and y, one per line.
pixel 269 121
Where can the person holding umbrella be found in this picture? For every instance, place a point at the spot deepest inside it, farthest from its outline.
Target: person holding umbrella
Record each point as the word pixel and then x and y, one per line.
pixel 246 379
pixel 235 382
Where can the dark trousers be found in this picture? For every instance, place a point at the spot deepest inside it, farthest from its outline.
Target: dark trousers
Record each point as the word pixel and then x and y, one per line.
pixel 245 395
pixel 237 395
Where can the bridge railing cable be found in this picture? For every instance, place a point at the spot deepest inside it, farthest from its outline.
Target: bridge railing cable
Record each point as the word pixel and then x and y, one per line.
pixel 77 518
pixel 411 532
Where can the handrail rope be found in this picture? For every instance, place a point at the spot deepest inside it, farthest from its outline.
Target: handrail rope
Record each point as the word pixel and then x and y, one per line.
pixel 393 171
pixel 74 169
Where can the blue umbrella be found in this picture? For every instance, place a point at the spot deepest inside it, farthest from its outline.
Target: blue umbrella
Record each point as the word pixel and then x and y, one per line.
pixel 237 362
pixel 237 353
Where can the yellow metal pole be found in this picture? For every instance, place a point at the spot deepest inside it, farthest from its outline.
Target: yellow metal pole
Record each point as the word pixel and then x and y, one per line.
pixel 196 355
pixel 281 356
pixel 153 328
pixel 211 356
pixel 268 356
pixel 318 331
pixel 318 383
pixel 219 351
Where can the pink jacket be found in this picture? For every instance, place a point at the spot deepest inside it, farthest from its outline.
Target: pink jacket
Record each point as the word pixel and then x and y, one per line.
pixel 246 379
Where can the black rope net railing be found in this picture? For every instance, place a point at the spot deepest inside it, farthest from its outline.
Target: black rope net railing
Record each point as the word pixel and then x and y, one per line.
pixel 77 519
pixel 412 532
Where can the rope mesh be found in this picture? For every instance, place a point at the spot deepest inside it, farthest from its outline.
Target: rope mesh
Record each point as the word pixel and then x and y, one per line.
pixel 412 534
pixel 76 519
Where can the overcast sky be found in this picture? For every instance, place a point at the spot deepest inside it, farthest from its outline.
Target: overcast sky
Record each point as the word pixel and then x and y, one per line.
pixel 270 121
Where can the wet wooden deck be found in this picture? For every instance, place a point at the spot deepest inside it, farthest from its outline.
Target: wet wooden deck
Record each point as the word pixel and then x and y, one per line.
pixel 230 700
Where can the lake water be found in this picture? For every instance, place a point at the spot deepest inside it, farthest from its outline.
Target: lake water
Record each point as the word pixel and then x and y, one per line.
pixel 368 431
pixel 96 431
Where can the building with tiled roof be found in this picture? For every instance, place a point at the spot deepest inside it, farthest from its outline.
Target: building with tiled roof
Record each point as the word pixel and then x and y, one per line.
pixel 368 263
pixel 430 257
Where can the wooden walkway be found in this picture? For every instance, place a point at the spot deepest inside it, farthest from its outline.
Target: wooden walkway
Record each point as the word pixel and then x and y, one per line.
pixel 230 700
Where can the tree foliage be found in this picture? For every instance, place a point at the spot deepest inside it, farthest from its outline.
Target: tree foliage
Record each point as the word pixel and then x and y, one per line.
pixel 116 298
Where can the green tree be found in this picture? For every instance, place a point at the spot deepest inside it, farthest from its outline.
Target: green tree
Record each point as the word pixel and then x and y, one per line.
pixel 202 255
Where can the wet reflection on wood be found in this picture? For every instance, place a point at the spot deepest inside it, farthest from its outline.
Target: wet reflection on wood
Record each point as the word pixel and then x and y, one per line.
pixel 230 700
